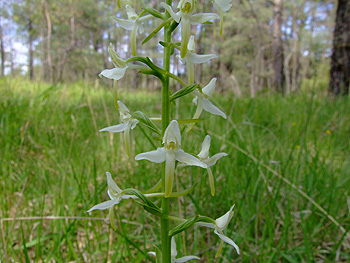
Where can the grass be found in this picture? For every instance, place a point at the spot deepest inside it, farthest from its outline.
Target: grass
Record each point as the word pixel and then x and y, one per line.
pixel 53 162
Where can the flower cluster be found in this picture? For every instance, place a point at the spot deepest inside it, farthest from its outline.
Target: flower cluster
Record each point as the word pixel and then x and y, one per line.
pixel 171 152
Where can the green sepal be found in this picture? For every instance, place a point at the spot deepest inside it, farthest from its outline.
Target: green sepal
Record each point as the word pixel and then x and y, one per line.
pixel 183 226
pixel 117 61
pixel 153 12
pixel 183 92
pixel 155 31
pixel 189 121
pixel 207 23
pixel 173 26
pixel 141 117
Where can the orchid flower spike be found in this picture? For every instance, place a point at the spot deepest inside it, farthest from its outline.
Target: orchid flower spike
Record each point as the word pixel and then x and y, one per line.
pixel 134 23
pixel 114 193
pixel 209 161
pixel 187 18
pixel 220 225
pixel 174 254
pixel 120 66
pixel 170 153
pixel 222 6
pixel 203 103
pixel 192 58
pixel 128 123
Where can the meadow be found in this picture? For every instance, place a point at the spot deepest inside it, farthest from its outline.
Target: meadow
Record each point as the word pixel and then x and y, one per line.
pixel 288 173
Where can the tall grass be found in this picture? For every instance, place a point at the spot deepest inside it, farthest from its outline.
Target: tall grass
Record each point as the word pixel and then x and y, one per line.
pixel 53 162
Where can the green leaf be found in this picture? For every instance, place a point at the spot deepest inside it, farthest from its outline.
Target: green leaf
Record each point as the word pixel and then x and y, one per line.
pixel 183 226
pixel 153 12
pixel 141 117
pixel 144 201
pixel 183 92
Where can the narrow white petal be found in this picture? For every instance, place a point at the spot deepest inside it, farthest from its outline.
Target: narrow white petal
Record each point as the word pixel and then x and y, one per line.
pixel 208 225
pixel 152 253
pixel 157 156
pixel 116 128
pixel 133 123
pixel 112 186
pixel 188 159
pixel 212 160
pixel 202 18
pixel 210 107
pixel 114 73
pixel 126 23
pixel 105 205
pixel 173 248
pixel 227 240
pixel 204 154
pixel 185 259
pixel 172 134
pixel 210 88
pixel 199 59
pixel 168 8
pixel 191 45
pixel 122 107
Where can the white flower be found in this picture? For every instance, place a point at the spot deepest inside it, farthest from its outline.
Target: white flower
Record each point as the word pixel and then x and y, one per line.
pixel 209 161
pixel 170 153
pixel 220 225
pixel 187 18
pixel 134 23
pixel 128 123
pixel 203 103
pixel 120 66
pixel 192 58
pixel 174 254
pixel 222 6
pixel 114 193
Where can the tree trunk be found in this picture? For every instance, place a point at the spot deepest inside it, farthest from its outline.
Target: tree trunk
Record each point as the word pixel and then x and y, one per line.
pixel 31 51
pixel 2 51
pixel 277 47
pixel 295 60
pixel 48 40
pixel 340 64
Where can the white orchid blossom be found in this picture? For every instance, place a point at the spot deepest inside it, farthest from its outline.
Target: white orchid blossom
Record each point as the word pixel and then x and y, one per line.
pixel 170 153
pixel 120 66
pixel 209 161
pixel 187 18
pixel 134 23
pixel 220 225
pixel 114 193
pixel 174 254
pixel 222 6
pixel 192 58
pixel 128 123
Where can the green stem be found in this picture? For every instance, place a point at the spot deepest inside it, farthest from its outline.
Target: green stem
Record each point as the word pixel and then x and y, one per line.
pixel 164 223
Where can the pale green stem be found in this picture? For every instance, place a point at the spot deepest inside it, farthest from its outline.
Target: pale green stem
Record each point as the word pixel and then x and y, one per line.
pixel 133 41
pixel 164 222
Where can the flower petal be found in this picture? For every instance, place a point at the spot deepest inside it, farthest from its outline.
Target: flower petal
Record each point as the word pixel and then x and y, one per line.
pixel 223 221
pixel 157 156
pixel 172 134
pixel 185 259
pixel 212 160
pixel 105 205
pixel 227 240
pixel 112 186
pixel 173 248
pixel 114 73
pixel 116 128
pixel 199 59
pixel 202 18
pixel 188 159
pixel 210 107
pixel 204 154
pixel 168 8
pixel 131 12
pixel 125 23
pixel 210 88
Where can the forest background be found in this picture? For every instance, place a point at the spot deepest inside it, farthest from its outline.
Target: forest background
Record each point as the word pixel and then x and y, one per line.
pixel 287 139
